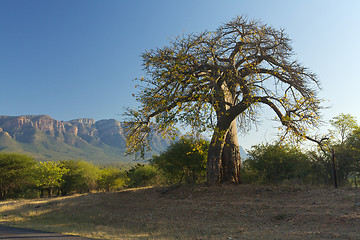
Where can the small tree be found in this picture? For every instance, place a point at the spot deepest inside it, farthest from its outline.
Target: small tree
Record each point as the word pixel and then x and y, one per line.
pixel 16 172
pixel 344 125
pixel 49 176
pixel 183 161
pixel 81 177
pixel 340 150
pixel 218 81
pixel 349 157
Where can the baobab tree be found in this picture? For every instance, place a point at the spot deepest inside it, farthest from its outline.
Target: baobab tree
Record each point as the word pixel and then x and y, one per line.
pixel 218 81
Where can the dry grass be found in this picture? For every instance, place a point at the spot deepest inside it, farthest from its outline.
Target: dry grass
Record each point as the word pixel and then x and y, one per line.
pixel 196 212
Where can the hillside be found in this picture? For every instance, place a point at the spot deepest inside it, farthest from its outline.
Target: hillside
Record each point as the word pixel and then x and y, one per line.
pixel 196 212
pixel 48 139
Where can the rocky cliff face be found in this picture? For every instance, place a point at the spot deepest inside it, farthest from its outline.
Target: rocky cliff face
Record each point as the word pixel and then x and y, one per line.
pixel 48 139
pixel 24 128
pixel 111 133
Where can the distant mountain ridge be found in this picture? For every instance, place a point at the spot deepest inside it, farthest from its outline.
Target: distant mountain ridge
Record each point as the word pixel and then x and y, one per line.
pixel 45 138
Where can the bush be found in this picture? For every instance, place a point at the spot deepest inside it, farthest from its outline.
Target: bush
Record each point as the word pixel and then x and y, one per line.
pixel 275 163
pixel 321 168
pixel 141 176
pixel 112 178
pixel 183 161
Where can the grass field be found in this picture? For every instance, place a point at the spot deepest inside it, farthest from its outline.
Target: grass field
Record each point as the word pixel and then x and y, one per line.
pixel 196 212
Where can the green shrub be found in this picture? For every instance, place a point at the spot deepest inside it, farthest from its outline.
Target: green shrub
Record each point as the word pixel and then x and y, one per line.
pixel 183 161
pixel 141 176
pixel 275 163
pixel 112 178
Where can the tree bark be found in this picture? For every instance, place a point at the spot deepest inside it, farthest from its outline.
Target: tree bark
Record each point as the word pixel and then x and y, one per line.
pixel 214 160
pixel 224 159
pixel 224 154
pixel 231 159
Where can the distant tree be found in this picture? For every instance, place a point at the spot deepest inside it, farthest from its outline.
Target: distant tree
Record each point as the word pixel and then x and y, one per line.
pixel 111 178
pixel 348 157
pixel 218 81
pixel 141 175
pixel 49 176
pixel 183 161
pixel 344 125
pixel 16 172
pixel 273 163
pixel 342 143
pixel 81 177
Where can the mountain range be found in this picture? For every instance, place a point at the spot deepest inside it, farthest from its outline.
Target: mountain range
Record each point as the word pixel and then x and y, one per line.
pixel 45 138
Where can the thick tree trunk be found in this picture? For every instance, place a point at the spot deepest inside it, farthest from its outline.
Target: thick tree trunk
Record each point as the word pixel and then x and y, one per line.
pixel 224 154
pixel 231 159
pixel 213 167
pixel 2 193
pixel 224 159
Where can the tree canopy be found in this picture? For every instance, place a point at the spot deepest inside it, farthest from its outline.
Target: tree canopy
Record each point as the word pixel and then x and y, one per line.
pixel 218 81
pixel 15 172
pixel 81 176
pixel 49 176
pixel 183 161
pixel 344 125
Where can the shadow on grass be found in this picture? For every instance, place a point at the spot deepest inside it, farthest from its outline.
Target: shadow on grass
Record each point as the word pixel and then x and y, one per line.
pixel 101 215
pixel 189 212
pixel 183 212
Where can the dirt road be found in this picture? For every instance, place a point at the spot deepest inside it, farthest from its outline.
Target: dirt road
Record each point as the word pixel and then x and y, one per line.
pixel 21 233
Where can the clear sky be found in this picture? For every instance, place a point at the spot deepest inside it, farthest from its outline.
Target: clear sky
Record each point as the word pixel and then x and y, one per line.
pixel 77 58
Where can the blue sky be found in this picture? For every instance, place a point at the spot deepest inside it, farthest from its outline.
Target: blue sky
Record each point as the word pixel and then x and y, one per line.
pixel 76 58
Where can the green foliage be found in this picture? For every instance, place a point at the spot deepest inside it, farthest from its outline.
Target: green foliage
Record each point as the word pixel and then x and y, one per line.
pixel 321 168
pixel 183 161
pixel 353 146
pixel 274 163
pixel 81 177
pixel 49 176
pixel 16 174
pixel 347 155
pixel 112 178
pixel 345 142
pixel 141 176
pixel 344 125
